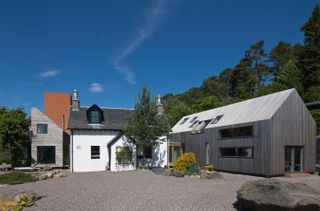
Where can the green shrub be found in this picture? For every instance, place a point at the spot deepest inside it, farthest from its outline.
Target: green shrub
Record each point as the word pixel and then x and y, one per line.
pixel 192 168
pixel 208 167
pixel 16 177
pixel 183 161
pixel 5 156
pixel 124 155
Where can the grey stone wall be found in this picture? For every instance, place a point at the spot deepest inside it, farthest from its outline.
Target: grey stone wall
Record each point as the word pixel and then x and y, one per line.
pixel 53 138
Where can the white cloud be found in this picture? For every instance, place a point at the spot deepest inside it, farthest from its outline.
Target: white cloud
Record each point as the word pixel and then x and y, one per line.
pixel 49 73
pixel 152 17
pixel 95 88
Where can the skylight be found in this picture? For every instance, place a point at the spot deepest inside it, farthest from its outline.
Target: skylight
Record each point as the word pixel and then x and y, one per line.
pixel 194 123
pixel 194 118
pixel 216 120
pixel 184 120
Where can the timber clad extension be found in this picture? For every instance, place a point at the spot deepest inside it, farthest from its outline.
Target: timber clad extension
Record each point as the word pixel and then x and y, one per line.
pixel 266 136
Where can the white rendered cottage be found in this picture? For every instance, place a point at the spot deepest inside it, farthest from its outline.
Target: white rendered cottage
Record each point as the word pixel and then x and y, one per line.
pixel 97 134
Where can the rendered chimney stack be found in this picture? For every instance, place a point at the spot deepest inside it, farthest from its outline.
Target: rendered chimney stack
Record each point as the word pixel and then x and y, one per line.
pixel 75 101
pixel 159 105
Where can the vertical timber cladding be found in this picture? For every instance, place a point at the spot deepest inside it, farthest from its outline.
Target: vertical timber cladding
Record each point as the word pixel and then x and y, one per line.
pixel 292 125
pixel 257 165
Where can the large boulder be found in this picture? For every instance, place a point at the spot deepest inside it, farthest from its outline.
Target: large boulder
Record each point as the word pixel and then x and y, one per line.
pixel 275 195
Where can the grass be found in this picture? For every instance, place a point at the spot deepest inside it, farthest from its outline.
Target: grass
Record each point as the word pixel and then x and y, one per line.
pixel 16 177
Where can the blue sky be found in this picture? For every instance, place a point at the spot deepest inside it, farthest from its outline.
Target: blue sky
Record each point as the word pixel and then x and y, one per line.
pixel 109 49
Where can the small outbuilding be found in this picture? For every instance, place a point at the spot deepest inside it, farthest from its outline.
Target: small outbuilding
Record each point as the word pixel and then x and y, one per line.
pixel 267 136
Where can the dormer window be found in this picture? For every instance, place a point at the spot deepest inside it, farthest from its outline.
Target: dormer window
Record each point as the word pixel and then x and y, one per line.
pixel 95 115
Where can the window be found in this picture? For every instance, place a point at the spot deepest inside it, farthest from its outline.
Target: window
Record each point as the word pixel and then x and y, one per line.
pixel 42 128
pixel 95 117
pixel 246 152
pixel 95 152
pixel 147 152
pixel 46 154
pixel 216 120
pixel 237 132
pixel 184 120
pixel 194 123
pixel 194 118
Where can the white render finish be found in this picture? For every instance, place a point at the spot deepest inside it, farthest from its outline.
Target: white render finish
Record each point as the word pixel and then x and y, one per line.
pixel 54 137
pixel 122 142
pixel 82 140
pixel 256 109
pixel 81 143
pixel 159 154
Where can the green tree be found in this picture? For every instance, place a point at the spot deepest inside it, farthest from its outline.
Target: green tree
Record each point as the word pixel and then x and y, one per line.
pixel 146 125
pixel 225 79
pixel 207 103
pixel 280 55
pixel 310 59
pixel 175 109
pixel 213 86
pixel 249 75
pixel 14 133
pixel 271 88
pixel 290 76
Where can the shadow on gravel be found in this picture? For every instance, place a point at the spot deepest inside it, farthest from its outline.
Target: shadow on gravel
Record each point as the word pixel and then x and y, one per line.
pixel 238 206
pixel 158 171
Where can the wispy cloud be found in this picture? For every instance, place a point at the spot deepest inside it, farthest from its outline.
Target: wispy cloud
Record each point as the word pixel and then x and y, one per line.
pixel 95 88
pixel 152 16
pixel 49 73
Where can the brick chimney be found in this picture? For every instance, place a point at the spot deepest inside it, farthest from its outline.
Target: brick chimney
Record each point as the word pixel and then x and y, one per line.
pixel 75 101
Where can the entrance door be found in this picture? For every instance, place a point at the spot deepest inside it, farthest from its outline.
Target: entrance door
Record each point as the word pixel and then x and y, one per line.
pixel 294 159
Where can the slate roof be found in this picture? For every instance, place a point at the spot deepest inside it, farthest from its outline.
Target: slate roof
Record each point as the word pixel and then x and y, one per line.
pixel 114 119
pixel 256 109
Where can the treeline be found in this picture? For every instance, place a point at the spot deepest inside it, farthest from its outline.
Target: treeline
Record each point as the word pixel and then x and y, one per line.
pixel 259 73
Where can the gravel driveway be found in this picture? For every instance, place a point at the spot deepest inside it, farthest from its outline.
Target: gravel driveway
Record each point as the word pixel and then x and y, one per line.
pixel 138 190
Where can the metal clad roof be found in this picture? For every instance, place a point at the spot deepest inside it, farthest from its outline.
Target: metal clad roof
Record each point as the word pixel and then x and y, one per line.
pixel 256 109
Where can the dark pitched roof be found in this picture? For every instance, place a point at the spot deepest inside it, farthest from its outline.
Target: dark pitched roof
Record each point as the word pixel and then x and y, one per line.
pixel 114 119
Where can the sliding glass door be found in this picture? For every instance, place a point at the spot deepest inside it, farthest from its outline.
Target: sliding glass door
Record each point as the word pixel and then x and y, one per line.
pixel 294 159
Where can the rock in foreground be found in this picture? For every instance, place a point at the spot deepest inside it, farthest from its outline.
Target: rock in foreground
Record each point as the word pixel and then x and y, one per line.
pixel 275 195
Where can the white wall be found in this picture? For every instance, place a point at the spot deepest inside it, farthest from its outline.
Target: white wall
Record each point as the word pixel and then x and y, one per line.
pixel 114 166
pixel 82 142
pixel 159 154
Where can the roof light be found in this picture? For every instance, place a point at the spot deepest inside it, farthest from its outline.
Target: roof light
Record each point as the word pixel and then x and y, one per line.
pixel 194 118
pixel 184 120
pixel 216 120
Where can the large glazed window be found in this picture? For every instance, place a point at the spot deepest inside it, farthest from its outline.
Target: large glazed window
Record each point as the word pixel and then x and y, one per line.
pixel 46 154
pixel 245 152
pixel 238 132
pixel 42 128
pixel 95 152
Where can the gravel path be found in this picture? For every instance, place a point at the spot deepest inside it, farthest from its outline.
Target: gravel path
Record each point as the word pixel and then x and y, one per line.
pixel 138 190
